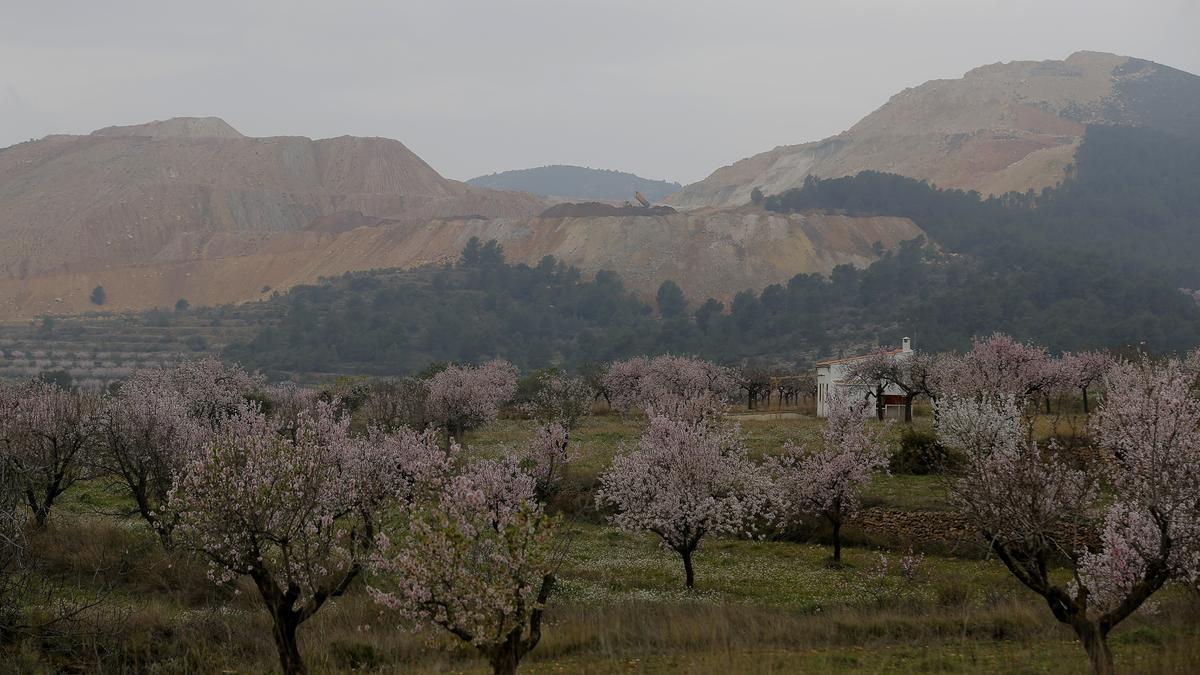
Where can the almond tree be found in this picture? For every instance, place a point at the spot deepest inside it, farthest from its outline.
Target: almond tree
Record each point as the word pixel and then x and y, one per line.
pixel 829 482
pixel 547 459
pixel 561 400
pixel 146 435
pixel 684 480
pixel 559 405
pixel 476 560
pixel 49 435
pixel 672 386
pixel 1082 371
pixel 391 404
pixel 287 403
pixel 461 398
pixel 910 372
pixel 296 515
pixel 998 366
pixel 1032 506
pixel 212 388
pixel 14 568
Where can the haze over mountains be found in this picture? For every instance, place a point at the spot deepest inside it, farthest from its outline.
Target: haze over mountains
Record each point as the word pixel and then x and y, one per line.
pixel 999 128
pixel 190 208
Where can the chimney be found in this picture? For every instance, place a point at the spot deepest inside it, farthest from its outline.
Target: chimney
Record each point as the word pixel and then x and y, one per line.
pixel 906 345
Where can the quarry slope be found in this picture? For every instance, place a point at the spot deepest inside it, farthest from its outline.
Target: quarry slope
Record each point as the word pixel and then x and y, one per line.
pixel 709 253
pixel 124 195
pixel 1001 127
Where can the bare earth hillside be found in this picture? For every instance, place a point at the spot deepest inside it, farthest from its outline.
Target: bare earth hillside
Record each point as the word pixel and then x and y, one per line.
pixel 709 253
pixel 190 208
pixel 1002 127
pixel 122 195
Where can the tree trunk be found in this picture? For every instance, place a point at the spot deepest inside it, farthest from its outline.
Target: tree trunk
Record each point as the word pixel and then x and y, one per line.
pixel 1047 404
pixel 908 402
pixel 284 626
pixel 1085 401
pixel 837 540
pixel 504 658
pixel 880 408
pixel 688 572
pixel 41 509
pixel 1095 643
pixel 164 535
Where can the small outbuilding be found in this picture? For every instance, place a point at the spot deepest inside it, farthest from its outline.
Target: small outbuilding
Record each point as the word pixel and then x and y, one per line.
pixel 832 379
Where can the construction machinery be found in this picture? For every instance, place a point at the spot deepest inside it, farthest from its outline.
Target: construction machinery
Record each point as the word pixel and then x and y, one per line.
pixel 641 199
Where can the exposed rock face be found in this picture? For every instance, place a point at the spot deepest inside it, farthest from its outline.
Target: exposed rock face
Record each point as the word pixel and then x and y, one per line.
pixel 124 195
pixel 1002 127
pixel 709 253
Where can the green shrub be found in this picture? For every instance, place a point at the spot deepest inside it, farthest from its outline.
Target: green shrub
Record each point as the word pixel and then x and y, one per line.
pixel 919 453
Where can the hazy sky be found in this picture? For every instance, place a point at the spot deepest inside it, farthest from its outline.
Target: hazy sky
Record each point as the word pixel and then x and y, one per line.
pixel 664 89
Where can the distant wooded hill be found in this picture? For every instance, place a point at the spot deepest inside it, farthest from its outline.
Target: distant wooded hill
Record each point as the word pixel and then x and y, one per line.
pixel 577 182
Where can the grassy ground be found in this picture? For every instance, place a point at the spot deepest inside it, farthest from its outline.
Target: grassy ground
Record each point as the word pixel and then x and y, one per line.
pixel 758 606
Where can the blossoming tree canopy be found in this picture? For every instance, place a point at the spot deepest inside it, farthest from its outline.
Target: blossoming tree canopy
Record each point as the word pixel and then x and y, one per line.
pixel 1083 371
pixel 296 515
pixel 683 480
pixel 998 366
pixel 672 386
pixel 49 434
pixel 561 400
pixel 1033 504
pixel 460 398
pixel 829 482
pixel 476 560
pixel 911 372
pixel 212 388
pixel 148 432
pixel 547 458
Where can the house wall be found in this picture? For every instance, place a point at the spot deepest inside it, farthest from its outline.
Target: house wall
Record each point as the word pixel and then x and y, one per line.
pixel 831 380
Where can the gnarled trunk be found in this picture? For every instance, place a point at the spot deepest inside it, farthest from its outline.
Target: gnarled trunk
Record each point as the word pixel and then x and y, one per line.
pixel 284 625
pixel 1095 643
pixel 505 656
pixel 688 572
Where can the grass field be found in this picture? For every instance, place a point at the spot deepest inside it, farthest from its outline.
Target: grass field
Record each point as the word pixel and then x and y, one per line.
pixel 758 606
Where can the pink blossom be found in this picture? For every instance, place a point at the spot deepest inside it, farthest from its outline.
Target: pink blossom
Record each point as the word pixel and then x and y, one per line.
pixel 147 434
pixel 461 398
pixel 1033 505
pixel 682 481
pixel 211 388
pixel 49 435
pixel 561 400
pixel 829 481
pixel 476 559
pixel 998 366
pixel 671 386
pixel 298 513
pixel 547 458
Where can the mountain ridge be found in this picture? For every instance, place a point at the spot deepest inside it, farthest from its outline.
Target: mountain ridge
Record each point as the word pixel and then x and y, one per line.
pixel 1001 127
pixel 566 181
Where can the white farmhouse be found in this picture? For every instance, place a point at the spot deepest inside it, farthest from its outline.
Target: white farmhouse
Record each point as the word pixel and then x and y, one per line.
pixel 831 379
